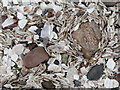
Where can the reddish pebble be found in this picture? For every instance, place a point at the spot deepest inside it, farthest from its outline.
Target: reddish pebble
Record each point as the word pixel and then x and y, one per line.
pixel 35 57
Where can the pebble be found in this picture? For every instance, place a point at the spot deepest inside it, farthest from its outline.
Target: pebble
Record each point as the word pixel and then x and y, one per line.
pixel 32 46
pixel 56 62
pixel 64 58
pixel 88 36
pixel 47 85
pixel 76 83
pixel 35 57
pixel 50 13
pixel 38 32
pixel 95 72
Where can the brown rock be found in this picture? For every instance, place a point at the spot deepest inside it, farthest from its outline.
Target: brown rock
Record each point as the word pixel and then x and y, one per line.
pixel 32 46
pixel 50 13
pixel 35 57
pixel 117 77
pixel 88 36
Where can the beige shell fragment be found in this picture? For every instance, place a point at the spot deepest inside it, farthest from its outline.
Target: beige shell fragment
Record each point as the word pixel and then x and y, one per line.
pixel 18 49
pixel 8 22
pixel 22 23
pixel 110 83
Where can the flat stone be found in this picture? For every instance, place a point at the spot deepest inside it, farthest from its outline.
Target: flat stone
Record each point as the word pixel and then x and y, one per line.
pixel 95 72
pixel 35 57
pixel 47 85
pixel 88 36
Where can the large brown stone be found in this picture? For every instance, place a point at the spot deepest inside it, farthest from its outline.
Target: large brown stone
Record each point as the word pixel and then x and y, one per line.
pixel 35 57
pixel 88 36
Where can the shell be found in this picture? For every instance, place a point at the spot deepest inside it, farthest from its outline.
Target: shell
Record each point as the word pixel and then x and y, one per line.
pixel 22 23
pixel 110 64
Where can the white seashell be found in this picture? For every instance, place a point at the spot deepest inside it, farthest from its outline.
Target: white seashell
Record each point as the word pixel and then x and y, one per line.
pixel 54 35
pixel 29 38
pixel 91 83
pixel 90 10
pixel 101 60
pixel 46 31
pixel 20 15
pixel 26 51
pixel 83 70
pixel 76 77
pixel 86 85
pixel 5 3
pixel 111 21
pixel 55 7
pixel 14 57
pixel 70 76
pixel 115 83
pixel 32 28
pixel 7 22
pixel 22 23
pixel 8 85
pixel 36 37
pixel 24 2
pixel 10 53
pixel 18 49
pixel 110 83
pixel 106 55
pixel 110 64
pixel 15 1
pixel 55 68
pixel 43 6
pixel 0 30
pixel 39 12
pixel 76 27
pixel 6 51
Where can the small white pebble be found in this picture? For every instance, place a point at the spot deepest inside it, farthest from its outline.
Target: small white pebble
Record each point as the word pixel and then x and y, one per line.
pixel 110 64
pixel 76 77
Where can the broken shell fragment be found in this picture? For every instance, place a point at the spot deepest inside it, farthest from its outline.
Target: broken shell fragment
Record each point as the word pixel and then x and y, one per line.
pixel 9 23
pixel 35 57
pixel 22 23
pixel 88 36
pixel 110 64
pixel 18 49
pixel 58 14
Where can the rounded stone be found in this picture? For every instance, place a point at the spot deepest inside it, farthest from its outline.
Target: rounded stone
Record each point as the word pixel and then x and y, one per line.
pixel 88 36
pixel 35 57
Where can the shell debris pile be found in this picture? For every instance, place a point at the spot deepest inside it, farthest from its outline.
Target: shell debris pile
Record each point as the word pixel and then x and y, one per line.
pixel 59 44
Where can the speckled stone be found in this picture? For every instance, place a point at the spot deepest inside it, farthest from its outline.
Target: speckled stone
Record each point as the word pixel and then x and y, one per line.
pixel 88 36
pixel 35 57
